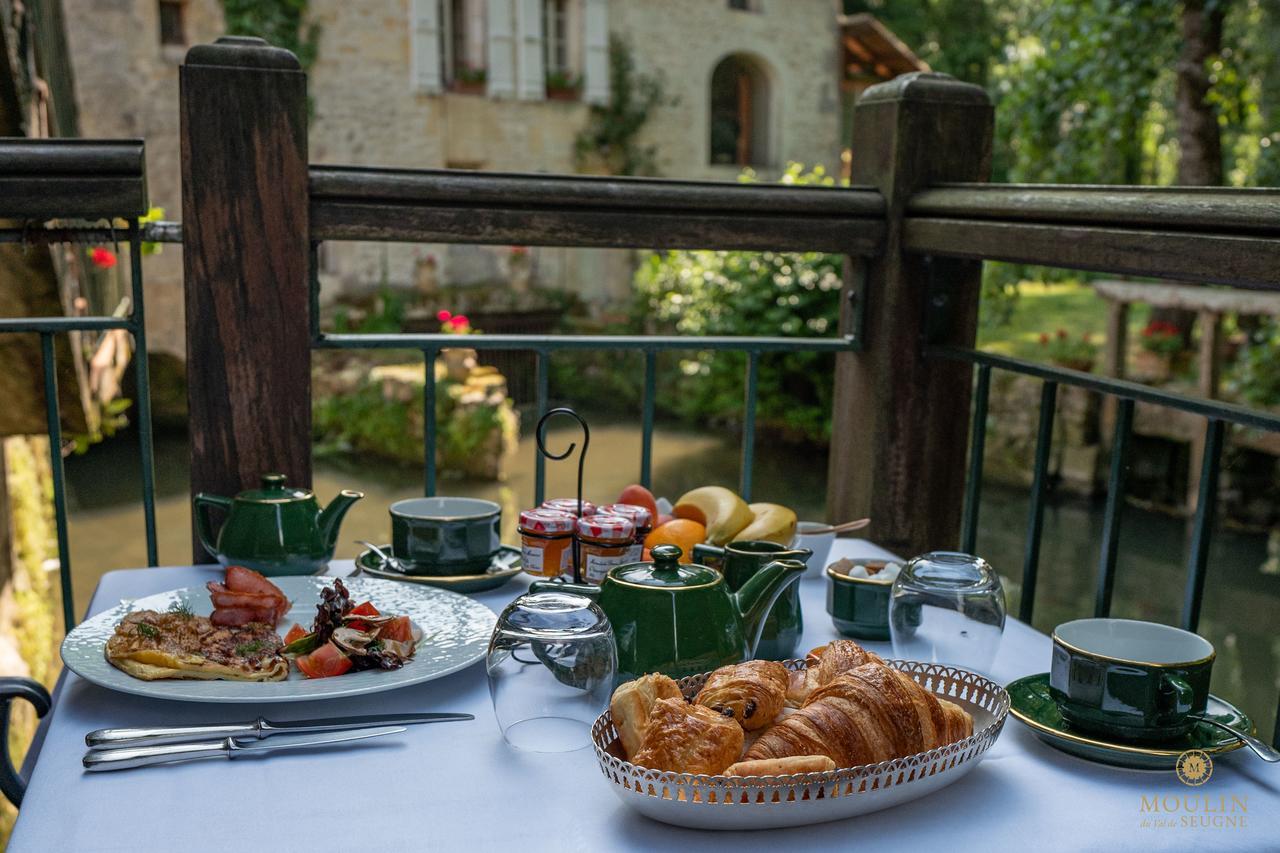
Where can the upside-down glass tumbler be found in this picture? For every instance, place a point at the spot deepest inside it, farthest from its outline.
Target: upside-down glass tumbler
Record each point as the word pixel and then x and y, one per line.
pixel 551 665
pixel 947 608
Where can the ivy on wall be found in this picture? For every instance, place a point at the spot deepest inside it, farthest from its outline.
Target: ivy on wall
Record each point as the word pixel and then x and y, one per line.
pixel 611 139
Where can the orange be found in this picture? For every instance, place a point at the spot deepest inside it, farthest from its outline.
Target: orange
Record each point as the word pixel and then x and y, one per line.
pixel 679 531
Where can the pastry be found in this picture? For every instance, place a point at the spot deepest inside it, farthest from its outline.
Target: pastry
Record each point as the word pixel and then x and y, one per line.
pixel 824 664
pixel 151 645
pixel 685 738
pixel 630 707
pixel 781 766
pixel 752 692
pixel 870 714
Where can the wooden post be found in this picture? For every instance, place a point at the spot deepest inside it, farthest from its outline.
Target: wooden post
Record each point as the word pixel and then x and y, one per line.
pixel 245 261
pixel 901 421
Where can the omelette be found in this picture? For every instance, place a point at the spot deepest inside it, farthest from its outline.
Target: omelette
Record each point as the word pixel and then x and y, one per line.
pixel 152 645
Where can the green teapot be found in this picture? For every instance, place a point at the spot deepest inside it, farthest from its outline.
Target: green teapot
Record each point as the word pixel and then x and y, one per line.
pixel 681 619
pixel 276 530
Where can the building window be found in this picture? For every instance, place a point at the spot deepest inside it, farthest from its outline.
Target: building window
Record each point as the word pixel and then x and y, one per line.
pixel 173 29
pixel 739 113
pixel 462 43
pixel 555 29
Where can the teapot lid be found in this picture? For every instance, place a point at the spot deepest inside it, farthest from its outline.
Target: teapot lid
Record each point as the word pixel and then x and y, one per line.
pixel 666 571
pixel 273 490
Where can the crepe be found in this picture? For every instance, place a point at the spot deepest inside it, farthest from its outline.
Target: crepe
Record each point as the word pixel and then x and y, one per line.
pixel 151 646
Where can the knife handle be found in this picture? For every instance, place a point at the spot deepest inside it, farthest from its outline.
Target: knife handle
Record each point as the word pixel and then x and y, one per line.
pixel 159 735
pixel 126 757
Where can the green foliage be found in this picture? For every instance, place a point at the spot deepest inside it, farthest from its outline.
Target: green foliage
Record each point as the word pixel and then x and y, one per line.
pixel 763 294
pixel 368 420
pixel 1076 352
pixel 1256 375
pixel 281 22
pixel 387 316
pixel 612 134
pixel 963 38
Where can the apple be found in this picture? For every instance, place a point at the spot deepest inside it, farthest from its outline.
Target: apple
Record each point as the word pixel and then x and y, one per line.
pixel 638 495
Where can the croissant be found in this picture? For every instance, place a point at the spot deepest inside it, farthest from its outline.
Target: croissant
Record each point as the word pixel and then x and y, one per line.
pixel 871 714
pixel 688 738
pixel 823 665
pixel 782 766
pixel 752 692
pixel 631 704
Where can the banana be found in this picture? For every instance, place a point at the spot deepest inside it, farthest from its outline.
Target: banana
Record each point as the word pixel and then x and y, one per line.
pixel 773 523
pixel 720 509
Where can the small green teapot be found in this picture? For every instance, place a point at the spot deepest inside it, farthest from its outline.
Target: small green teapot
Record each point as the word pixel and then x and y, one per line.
pixel 681 619
pixel 276 530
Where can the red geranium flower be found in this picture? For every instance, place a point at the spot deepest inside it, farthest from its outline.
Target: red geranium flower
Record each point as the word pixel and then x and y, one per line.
pixel 443 316
pixel 1044 339
pixel 1062 334
pixel 103 259
pixel 458 321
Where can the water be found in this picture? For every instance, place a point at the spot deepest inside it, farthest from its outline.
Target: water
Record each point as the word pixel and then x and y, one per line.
pixel 1241 603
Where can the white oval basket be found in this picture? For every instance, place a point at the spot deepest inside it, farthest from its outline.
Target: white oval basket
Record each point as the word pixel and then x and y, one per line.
pixel 767 802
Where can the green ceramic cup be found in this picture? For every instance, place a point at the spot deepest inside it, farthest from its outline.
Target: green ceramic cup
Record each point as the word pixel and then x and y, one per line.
pixel 739 562
pixel 859 607
pixel 445 536
pixel 1138 681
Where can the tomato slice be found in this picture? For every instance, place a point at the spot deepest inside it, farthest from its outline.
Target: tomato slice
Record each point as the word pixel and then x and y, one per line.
pixel 397 629
pixel 366 609
pixel 358 625
pixel 295 633
pixel 324 662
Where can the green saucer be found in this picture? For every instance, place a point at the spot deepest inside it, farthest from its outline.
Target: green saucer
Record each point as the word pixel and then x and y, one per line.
pixel 505 566
pixel 1031 704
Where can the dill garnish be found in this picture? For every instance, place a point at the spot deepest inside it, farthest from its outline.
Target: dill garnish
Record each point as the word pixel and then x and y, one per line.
pixel 181 608
pixel 249 648
pixel 148 630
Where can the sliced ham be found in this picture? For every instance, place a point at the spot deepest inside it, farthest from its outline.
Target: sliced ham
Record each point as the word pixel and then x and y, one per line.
pixel 240 579
pixel 242 616
pixel 223 597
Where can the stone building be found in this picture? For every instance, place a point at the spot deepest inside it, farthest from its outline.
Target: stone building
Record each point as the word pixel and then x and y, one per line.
pixel 501 85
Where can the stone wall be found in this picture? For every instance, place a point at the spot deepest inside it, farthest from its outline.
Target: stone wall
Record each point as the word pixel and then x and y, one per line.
pixel 367 111
pixel 127 86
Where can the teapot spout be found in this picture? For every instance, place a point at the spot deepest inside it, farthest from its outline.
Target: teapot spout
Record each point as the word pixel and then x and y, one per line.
pixel 330 518
pixel 757 596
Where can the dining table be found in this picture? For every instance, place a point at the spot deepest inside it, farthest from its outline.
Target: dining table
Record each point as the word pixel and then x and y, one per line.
pixel 459 786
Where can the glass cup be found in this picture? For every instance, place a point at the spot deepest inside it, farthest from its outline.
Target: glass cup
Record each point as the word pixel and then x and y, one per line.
pixel 947 608
pixel 551 666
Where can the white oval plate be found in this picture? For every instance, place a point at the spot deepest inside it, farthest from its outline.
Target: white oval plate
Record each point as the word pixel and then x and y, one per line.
pixel 456 635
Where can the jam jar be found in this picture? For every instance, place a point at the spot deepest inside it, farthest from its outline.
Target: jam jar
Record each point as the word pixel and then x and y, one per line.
pixel 546 542
pixel 604 541
pixel 641 518
pixel 570 505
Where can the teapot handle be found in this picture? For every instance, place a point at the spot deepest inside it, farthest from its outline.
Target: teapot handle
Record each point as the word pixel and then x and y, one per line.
pixel 204 527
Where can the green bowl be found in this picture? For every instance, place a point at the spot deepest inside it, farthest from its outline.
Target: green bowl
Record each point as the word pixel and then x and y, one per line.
pixel 859 607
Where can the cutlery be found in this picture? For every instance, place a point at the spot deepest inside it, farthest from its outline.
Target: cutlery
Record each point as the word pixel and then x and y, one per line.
pixel 256 729
pixel 1259 748
pixel 838 528
pixel 127 757
pixel 388 560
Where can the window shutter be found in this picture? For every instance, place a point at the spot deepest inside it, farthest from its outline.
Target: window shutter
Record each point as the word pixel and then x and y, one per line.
pixel 501 69
pixel 530 76
pixel 424 46
pixel 595 51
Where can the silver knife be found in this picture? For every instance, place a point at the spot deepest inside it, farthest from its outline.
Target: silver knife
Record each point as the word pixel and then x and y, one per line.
pixel 257 729
pixel 126 757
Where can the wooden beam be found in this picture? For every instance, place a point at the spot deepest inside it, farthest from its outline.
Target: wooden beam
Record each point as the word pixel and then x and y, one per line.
pixel 72 179
pixel 1240 260
pixel 901 420
pixel 243 108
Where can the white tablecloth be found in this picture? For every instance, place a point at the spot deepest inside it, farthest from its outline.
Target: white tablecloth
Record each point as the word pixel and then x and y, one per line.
pixel 457 786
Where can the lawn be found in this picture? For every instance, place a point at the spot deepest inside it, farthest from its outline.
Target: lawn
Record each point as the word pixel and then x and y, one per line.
pixel 1046 308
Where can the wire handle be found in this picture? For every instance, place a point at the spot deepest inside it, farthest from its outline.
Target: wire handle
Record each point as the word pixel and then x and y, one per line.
pixel 541 435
